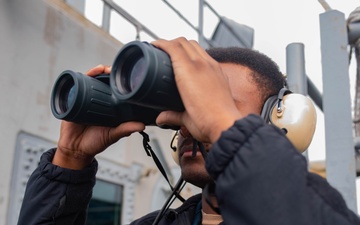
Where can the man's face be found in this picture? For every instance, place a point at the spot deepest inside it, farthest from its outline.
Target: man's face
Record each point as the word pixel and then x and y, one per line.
pixel 247 99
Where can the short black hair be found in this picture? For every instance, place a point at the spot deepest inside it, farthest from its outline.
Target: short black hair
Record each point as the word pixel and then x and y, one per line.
pixel 265 72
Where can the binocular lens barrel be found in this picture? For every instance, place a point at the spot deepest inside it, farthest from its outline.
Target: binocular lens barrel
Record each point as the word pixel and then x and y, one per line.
pixel 64 94
pixel 142 74
pixel 130 70
pixel 88 100
pixel 140 86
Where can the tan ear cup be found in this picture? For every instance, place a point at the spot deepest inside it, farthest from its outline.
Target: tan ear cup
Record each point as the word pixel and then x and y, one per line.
pixel 297 115
pixel 173 146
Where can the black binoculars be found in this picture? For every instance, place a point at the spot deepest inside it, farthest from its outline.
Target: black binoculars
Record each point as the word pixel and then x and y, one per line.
pixel 140 86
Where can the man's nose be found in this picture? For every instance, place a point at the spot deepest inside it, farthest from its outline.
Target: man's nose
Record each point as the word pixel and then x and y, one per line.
pixel 184 132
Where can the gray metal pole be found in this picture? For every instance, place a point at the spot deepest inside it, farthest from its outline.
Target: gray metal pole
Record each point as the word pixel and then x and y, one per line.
pixel 295 68
pixel 106 17
pixel 340 154
pixel 315 94
pixel 297 79
pixel 201 24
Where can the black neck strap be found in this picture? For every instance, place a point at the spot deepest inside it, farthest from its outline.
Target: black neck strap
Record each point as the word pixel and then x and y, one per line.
pixel 151 153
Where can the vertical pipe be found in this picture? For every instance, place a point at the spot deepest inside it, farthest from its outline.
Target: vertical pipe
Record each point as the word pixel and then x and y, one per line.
pixel 295 70
pixel 106 18
pixel 201 24
pixel 340 154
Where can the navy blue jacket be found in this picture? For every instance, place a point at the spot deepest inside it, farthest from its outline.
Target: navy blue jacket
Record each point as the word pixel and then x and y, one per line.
pixel 260 179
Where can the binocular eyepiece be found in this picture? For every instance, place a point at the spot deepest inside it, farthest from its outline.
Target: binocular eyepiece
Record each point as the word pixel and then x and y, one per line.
pixel 141 85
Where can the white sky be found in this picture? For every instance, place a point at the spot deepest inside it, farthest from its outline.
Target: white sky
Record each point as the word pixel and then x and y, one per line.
pixel 277 23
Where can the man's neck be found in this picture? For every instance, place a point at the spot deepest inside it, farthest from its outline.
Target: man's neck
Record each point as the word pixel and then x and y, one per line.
pixel 209 216
pixel 205 205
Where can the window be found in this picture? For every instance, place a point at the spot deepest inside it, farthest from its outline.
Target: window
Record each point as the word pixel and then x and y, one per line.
pixel 106 204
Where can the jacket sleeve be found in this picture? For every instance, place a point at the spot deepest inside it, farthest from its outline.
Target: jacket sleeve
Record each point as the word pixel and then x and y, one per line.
pixel 55 195
pixel 262 179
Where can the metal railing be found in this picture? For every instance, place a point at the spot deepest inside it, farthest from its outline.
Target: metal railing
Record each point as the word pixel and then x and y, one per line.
pixel 111 5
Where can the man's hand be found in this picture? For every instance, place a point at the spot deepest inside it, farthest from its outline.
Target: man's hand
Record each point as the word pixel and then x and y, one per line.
pixel 204 90
pixel 78 144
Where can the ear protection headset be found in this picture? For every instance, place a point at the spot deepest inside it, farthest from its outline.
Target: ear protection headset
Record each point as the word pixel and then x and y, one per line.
pixel 173 146
pixel 294 113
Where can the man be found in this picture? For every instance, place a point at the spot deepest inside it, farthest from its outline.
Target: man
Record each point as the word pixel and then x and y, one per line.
pixel 259 176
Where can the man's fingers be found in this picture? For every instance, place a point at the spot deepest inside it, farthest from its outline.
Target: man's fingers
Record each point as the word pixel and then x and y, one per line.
pixel 107 69
pixel 124 130
pixel 99 69
pixel 200 50
pixel 174 48
pixel 169 118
